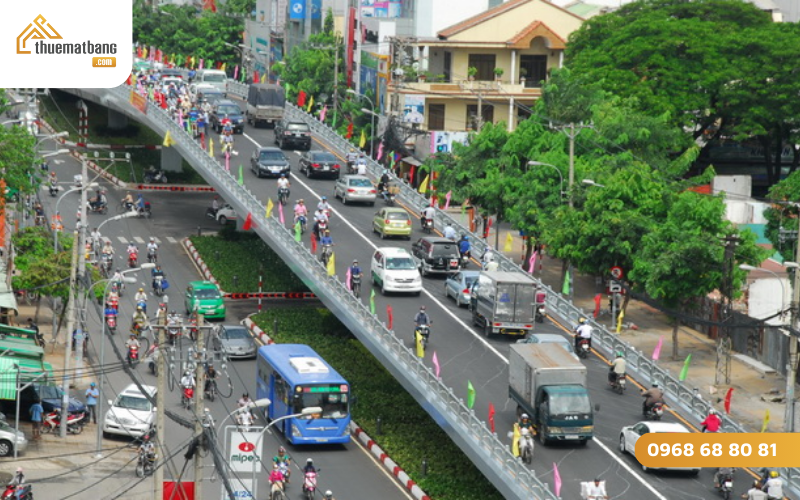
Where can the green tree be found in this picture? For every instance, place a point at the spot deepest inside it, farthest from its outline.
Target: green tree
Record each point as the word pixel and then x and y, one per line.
pixel 17 158
pixel 37 266
pixel 683 257
pixel 784 214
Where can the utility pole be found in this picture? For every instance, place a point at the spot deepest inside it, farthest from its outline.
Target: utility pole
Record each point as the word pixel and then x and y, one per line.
pixel 723 362
pixel 335 79
pixel 199 404
pixel 81 275
pixel 791 371
pixel 161 402
pixel 67 337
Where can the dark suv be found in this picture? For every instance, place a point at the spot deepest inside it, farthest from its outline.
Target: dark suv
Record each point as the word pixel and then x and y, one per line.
pixel 436 255
pixel 296 134
pixel 232 110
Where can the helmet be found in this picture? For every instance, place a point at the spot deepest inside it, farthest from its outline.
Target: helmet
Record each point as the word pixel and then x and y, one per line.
pixel 655 384
pixel 283 175
pixel 466 238
pixel 246 395
pixel 309 461
pixel 327 231
pixel 281 450
pixel 329 493
pixel 582 320
pixel 19 469
pixel 152 239
pixel 324 198
pixel 355 261
pixel 173 312
pixel 422 308
pixel 92 384
pixel 774 474
pixel 620 354
pixel 141 289
pixel 300 200
pixel 138 308
pixel 524 416
pixel 187 373
pixel 146 437
pixel 712 411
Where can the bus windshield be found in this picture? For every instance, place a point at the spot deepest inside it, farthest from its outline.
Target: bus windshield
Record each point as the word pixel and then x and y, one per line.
pixel 334 404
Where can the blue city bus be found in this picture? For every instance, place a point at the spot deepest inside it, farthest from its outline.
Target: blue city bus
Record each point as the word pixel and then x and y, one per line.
pixel 294 377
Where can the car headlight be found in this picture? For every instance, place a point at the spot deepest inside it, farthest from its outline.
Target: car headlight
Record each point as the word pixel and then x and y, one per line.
pixel 389 278
pixel 345 432
pixel 417 279
pixel 112 418
pixel 296 431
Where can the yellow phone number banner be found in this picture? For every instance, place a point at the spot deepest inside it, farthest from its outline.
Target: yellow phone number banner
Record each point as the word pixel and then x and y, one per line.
pixel 678 449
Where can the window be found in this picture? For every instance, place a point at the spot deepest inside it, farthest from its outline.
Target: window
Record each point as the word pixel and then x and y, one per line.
pixel 435 116
pixel 534 68
pixel 404 263
pixel 360 183
pixel 473 121
pixel 271 156
pixel 302 127
pixel 485 64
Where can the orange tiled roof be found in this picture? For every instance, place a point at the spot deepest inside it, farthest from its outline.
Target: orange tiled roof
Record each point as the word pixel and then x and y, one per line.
pixel 493 12
pixel 536 28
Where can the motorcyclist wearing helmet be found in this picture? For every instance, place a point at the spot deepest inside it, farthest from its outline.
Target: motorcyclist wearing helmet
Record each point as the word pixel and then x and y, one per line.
pixel 617 368
pixel 774 486
pixel 147 448
pixel 276 476
pixel 464 247
pixel 282 457
pixel 422 317
pixel 309 467
pixel 351 158
pixel 187 381
pixel 652 396
pixel 721 474
pixel 596 491
pixel 324 206
pixel 329 495
pixel 283 183
pixel 525 422
pixel 139 320
pixel 141 298
pixel 583 332
pixel 713 422
pixel 133 341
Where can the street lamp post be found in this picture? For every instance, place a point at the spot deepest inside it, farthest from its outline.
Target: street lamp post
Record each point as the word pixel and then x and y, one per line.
pixel 58 202
pixel 371 104
pixel 560 175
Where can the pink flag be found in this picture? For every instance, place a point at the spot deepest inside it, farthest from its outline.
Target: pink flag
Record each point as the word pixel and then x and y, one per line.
pixel 348 278
pixel 280 213
pixel 556 480
pixel 323 113
pixel 657 350
pixel 532 262
pixel 380 151
pixel 227 161
pixel 200 66
pixel 436 364
pixel 236 72
pixel 447 200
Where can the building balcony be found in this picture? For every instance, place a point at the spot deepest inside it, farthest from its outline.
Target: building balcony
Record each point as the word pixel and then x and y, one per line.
pixel 466 88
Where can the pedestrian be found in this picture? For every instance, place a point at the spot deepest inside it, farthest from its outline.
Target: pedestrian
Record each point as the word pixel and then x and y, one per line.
pixel 92 393
pixel 37 334
pixel 36 412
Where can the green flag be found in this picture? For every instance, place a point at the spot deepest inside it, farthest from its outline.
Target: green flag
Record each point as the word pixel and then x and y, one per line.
pixel 298 232
pixel 470 395
pixel 241 175
pixel 391 160
pixel 685 369
pixel 372 301
pixel 565 288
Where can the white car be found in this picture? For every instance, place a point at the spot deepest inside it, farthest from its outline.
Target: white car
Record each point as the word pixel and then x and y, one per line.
pixel 9 438
pixel 395 270
pixel 226 214
pixel 131 414
pixel 630 434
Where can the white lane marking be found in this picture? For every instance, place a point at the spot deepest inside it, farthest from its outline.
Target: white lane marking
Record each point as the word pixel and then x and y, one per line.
pixel 171 239
pixel 466 327
pixel 375 247
pixel 139 240
pixel 620 461
pixel 122 240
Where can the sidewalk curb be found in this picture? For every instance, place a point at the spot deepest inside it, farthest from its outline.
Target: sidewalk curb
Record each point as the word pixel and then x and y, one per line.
pixel 201 265
pixel 358 433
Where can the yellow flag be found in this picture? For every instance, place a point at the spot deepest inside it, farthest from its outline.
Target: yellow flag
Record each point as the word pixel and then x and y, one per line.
pixel 515 440
pixel 168 140
pixel 423 188
pixel 766 421
pixel 210 146
pixel 144 53
pixel 418 342
pixel 223 67
pixel 264 78
pixel 363 140
pixel 509 246
pixel 270 206
pixel 332 265
pixel 619 320
pixel 310 105
pixel 194 61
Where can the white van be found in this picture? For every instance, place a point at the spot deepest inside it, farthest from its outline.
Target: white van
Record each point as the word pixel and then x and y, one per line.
pixel 131 414
pixel 214 77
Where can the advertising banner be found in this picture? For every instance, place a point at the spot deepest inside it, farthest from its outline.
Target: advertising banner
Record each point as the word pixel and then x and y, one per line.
pixel 242 453
pixel 414 109
pixel 297 9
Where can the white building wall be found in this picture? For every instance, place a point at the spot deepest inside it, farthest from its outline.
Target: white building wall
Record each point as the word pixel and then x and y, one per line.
pixel 765 298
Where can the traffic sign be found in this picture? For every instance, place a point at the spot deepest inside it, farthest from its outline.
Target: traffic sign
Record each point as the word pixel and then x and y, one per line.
pixel 617 273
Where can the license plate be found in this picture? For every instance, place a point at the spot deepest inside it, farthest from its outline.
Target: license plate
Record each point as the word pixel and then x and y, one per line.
pixel 729 484
pixel 326 167
pixel 572 437
pixel 397 224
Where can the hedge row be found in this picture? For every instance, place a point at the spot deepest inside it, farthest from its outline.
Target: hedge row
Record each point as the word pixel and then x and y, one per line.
pixel 409 435
pixel 245 256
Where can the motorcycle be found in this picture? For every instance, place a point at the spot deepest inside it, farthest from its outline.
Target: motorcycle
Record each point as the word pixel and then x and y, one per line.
pixel 143 305
pixel 283 195
pixel 355 282
pixel 172 333
pixel 101 209
pixel 725 487
pixel 583 348
pixel 388 197
pixel 618 382
pixel 654 412
pixel 154 176
pixel 146 465
pixel 53 190
pixel 52 422
pixel 111 323
pixel 107 263
pixel 526 446
pixel 310 485
pixel 133 258
pixel 193 329
pixel 133 356
pixel 152 257
pixel 210 390
pixel 14 492
pixel 427 225
pixel 326 254
pixel 302 220
pixel 465 259
pixel 541 310
pixel 425 332
pixel 158 285
pixel 187 396
pixel 284 468
pixel 320 228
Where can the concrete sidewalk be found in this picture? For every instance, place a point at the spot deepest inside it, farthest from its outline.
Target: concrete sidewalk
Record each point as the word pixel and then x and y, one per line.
pixel 752 388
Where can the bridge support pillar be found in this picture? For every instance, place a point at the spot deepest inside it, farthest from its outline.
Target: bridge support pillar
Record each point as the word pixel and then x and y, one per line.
pixel 116 120
pixel 171 160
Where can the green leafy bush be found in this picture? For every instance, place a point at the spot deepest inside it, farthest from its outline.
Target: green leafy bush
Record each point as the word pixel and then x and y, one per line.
pixel 409 435
pixel 245 256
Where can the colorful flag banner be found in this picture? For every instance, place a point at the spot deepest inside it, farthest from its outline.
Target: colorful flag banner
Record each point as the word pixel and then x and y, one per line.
pixel 418 344
pixel 241 171
pixel 372 301
pixel 390 314
pixel 565 287
pixel 298 231
pixel 515 440
pixel 270 206
pixel 348 279
pixel 556 480
pixel 491 417
pixel 447 199
pixel 619 320
pixel 168 140
pixel 236 72
pixel 323 113
pixel 248 222
pixel 210 147
pixel 349 134
pixel 728 397
pixel 280 214
pixel 301 99
pixel 314 244
pixel 532 263
pixel 765 423
pixel 436 367
pixel 685 369
pixel 470 395
pixel 597 300
pixel 657 350
pixel 423 187
pixel 310 105
pixel 363 140
pixel 509 245
pixel 380 151
pixel 332 265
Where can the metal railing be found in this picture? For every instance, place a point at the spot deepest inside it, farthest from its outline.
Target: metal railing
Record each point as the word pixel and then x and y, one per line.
pixel 511 477
pixel 639 364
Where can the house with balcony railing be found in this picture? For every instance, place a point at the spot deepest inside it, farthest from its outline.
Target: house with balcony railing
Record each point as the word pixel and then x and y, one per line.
pixel 487 68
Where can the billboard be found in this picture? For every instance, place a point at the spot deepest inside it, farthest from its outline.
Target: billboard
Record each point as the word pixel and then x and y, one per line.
pixel 375 8
pixel 414 109
pixel 243 456
pixel 442 142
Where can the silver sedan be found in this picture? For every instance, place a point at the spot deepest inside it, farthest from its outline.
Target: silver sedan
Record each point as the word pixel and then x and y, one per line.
pixel 235 341
pixel 355 188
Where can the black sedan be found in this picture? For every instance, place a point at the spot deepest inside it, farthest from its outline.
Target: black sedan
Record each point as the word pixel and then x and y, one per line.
pixel 230 109
pixel 267 162
pixel 320 164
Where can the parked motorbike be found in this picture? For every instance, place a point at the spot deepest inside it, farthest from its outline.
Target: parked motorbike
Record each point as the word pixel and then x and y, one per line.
pixel 155 176
pixel 133 356
pixel 654 412
pixel 583 348
pixel 310 485
pixel 21 492
pixel 146 465
pixel 52 422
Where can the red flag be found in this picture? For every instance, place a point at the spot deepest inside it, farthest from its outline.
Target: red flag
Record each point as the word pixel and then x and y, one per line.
pixel 488 228
pixel 349 131
pixel 210 5
pixel 255 77
pixel 411 175
pixel 139 52
pixel 301 99
pixel 491 416
pixel 597 299
pixel 728 401
pixel 129 81
pixel 391 316
pixel 313 243
pixel 159 55
pixel 248 222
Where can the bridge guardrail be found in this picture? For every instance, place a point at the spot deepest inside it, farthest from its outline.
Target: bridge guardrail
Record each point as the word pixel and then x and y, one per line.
pixel 509 475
